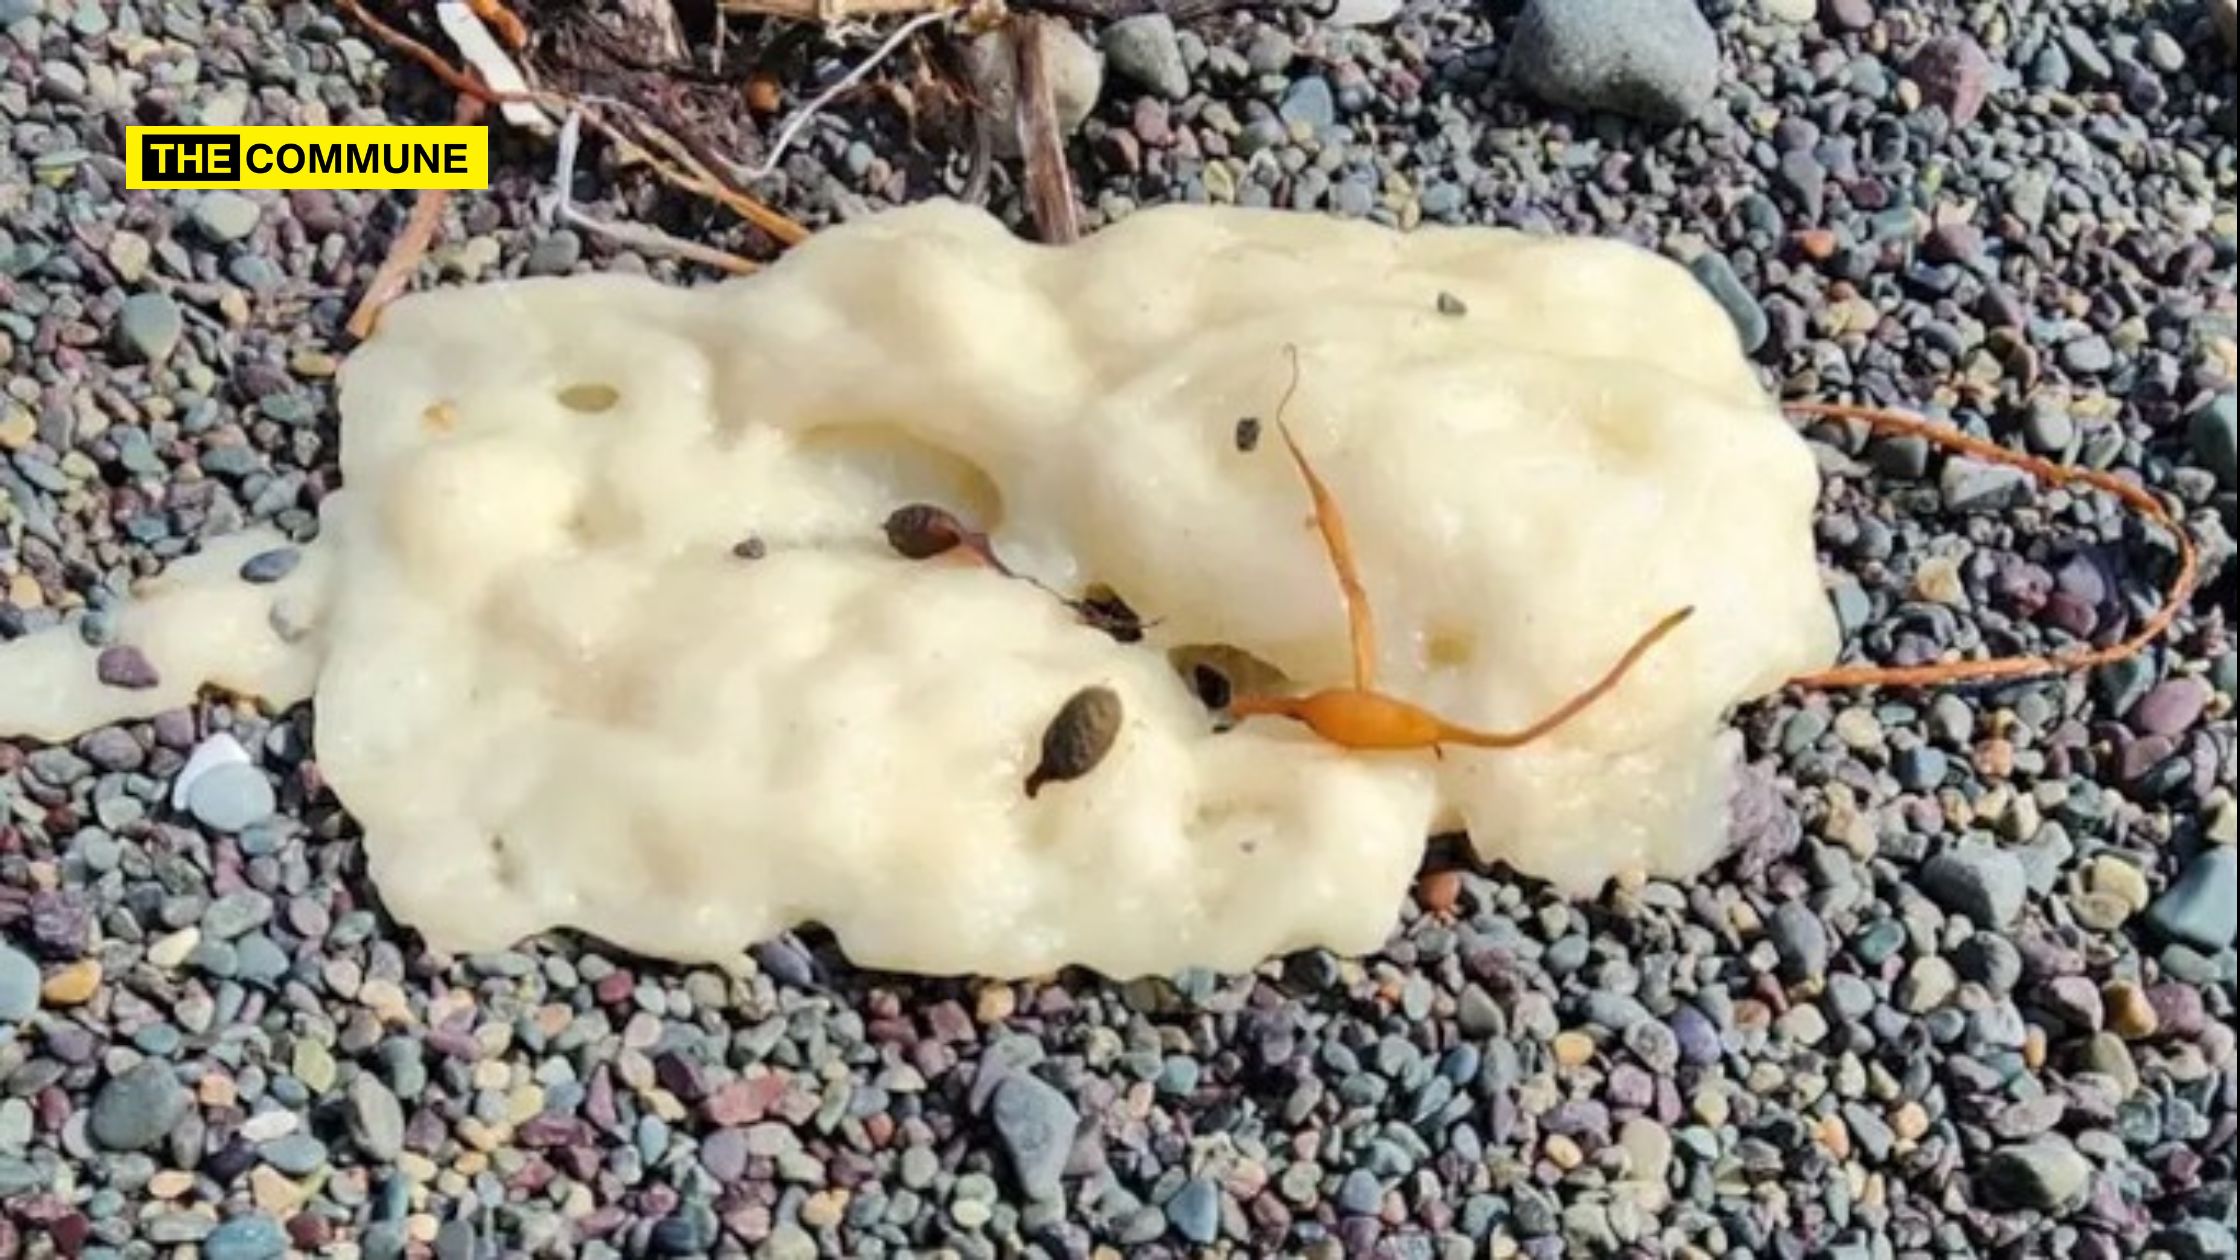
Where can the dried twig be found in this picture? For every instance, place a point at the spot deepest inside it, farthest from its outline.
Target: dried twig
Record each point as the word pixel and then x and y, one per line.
pixel 2009 667
pixel 637 236
pixel 801 117
pixel 411 244
pixel 688 173
pixel 1050 195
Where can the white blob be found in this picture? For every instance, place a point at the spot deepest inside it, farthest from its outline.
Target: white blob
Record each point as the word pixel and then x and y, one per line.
pixel 554 696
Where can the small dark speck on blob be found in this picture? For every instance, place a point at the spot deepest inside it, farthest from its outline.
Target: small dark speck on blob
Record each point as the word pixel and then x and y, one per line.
pixel 1449 304
pixel 751 549
pixel 1248 433
pixel 1077 738
pixel 1211 685
pixel 270 566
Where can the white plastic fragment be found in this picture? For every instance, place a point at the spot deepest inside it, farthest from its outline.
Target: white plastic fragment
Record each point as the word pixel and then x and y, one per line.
pixel 480 49
pixel 553 694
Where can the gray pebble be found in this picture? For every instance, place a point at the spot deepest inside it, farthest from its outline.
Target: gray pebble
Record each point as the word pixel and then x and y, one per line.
pixel 231 798
pixel 2203 907
pixel 1920 768
pixel 1036 1125
pixel 1717 276
pixel 2088 355
pixel 236 914
pixel 1986 884
pixel 135 1110
pixel 1144 49
pixel 19 985
pixel 225 217
pixel 1360 1193
pixel 149 326
pixel 2043 1174
pixel 2214 431
pixel 376 1119
pixel 1800 938
pixel 1655 60
pixel 1194 1212
pixel 1308 103
pixel 1970 485
pixel 251 1237
pixel 297 1154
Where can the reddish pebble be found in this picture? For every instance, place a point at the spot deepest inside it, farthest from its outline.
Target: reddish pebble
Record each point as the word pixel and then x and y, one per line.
pixel 1815 244
pixel 2171 708
pixel 744 1101
pixel 69 1233
pixel 1955 74
pixel 615 986
pixel 2178 1009
pixel 309 1232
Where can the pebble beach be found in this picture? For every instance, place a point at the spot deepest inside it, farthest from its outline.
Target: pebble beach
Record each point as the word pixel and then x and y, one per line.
pixel 1966 986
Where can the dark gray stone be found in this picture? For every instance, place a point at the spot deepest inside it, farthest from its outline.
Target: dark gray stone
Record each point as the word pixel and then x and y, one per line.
pixel 1654 60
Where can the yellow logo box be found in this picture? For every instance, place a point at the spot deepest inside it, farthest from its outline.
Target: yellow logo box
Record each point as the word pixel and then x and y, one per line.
pixel 307 157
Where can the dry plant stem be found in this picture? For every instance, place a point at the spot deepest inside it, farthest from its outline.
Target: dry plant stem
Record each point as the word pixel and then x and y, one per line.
pixel 1359 716
pixel 1360 621
pixel 802 116
pixel 1050 196
pixel 638 236
pixel 1452 734
pixel 688 174
pixel 411 244
pixel 635 235
pixel 2009 667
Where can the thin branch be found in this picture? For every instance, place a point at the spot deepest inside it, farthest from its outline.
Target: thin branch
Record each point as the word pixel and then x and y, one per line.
pixel 801 117
pixel 411 244
pixel 1050 197
pixel 687 174
pixel 634 235
pixel 639 236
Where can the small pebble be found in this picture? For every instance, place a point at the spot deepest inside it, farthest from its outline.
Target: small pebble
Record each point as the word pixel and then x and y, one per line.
pixel 124 667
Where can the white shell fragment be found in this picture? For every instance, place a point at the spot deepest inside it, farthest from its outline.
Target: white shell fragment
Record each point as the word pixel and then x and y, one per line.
pixel 554 695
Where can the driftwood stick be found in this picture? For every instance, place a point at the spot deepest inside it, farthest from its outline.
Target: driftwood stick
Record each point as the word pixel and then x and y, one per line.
pixel 420 227
pixel 1057 217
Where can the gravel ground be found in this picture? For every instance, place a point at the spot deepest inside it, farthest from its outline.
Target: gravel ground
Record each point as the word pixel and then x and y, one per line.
pixel 1966 989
